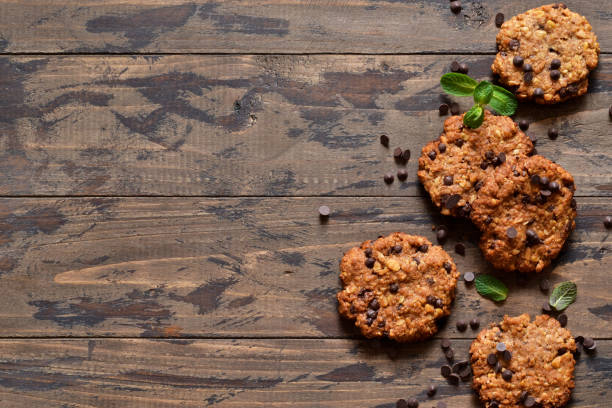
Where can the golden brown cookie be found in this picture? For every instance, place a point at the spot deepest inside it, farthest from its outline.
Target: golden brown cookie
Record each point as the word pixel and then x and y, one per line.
pixel 397 286
pixel 546 54
pixel 455 166
pixel 521 363
pixel 525 211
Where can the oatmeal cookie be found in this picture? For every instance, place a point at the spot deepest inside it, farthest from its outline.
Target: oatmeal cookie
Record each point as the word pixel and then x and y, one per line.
pixel 522 363
pixel 454 167
pixel 546 54
pixel 397 286
pixel 525 211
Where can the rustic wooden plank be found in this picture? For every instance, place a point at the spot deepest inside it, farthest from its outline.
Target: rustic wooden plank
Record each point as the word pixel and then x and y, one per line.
pixel 251 125
pixel 242 267
pixel 259 26
pixel 235 373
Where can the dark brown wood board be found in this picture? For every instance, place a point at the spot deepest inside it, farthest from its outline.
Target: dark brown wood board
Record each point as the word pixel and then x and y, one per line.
pixel 243 267
pixel 263 26
pixel 255 373
pixel 252 125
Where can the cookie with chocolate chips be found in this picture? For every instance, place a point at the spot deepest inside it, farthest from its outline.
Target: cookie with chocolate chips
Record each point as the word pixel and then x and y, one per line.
pixel 535 368
pixel 454 167
pixel 526 211
pixel 546 54
pixel 397 287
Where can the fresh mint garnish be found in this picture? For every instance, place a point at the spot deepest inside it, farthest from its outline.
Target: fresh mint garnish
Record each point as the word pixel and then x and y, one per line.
pixel 485 94
pixel 491 287
pixel 563 295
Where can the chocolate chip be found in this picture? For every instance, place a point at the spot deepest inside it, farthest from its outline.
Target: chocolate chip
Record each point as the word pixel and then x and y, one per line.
pixel 439 303
pixel 445 344
pixel 546 308
pixel 579 339
pixel 468 277
pixel 368 252
pixel 562 351
pixel 529 402
pixel 459 142
pixel 431 390
pixel 492 359
pixel 432 154
pixel 511 232
pixel 501 157
pixel 478 185
pixel 452 201
pixel 555 63
pixel 499 19
pixel 455 6
pixel 544 181
pixel 493 404
pixel 544 284
pixel 488 220
pixel 554 186
pixel 423 248
pixel 528 76
pixel 413 403
pixel 562 318
pixel 523 396
pixel 448 180
pixel 507 375
pixel 527 68
pixel 448 267
pixel 441 235
pixel 484 165
pixel 607 222
pixel 463 68
pixel 389 178
pixel 489 155
pixel 398 249
pixel 500 347
pixel 455 109
pixel 454 379
pixel 523 124
pixel 538 92
pixel 449 354
pixel 401 403
pixel 461 325
pixel 393 288
pixel 442 147
pixel 534 140
pixel 514 44
pixel 535 179
pixel 406 155
pixel 384 140
pixel 532 238
pixel 507 355
pixel 374 304
pixel 430 299
pixel 443 109
pixel 498 367
pixel 465 374
pixel 589 344
pixel 454 67
pixel 369 321
pixel 397 153
pixel 555 75
pixel 371 313
pixel 369 262
pixel 553 133
pixel 460 248
pixel 402 174
pixel 324 211
pixel 474 323
pixel 445 370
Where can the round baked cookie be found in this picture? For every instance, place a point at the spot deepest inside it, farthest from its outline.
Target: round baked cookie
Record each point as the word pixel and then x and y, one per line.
pixel 520 363
pixel 397 286
pixel 546 54
pixel 454 167
pixel 525 211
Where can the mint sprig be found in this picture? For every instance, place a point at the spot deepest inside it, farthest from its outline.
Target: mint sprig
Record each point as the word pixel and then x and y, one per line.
pixel 491 287
pixel 485 94
pixel 563 295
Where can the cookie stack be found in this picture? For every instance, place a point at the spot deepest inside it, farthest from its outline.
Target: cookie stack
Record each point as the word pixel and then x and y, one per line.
pixel 522 203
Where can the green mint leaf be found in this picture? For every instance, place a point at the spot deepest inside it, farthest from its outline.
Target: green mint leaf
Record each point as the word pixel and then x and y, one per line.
pixel 491 287
pixel 503 101
pixel 474 117
pixel 458 84
pixel 483 93
pixel 563 295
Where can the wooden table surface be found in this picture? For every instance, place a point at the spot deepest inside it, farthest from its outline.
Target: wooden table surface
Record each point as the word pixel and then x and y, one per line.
pixel 161 167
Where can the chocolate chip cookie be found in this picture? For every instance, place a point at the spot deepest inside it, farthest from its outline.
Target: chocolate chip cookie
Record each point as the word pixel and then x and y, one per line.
pixel 397 286
pixel 526 211
pixel 523 363
pixel 546 54
pixel 454 167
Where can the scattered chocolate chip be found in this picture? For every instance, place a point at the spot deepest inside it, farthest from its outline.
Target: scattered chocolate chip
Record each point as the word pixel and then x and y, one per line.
pixel 448 180
pixel 555 63
pixel 432 154
pixel 406 155
pixel 454 67
pixel 579 339
pixel 544 284
pixel 546 308
pixel 393 288
pixel 389 178
pixel 474 323
pixel 398 249
pixel 489 155
pixel 463 68
pixel 529 402
pixel 532 238
pixel 397 153
pixel 589 344
pixel 324 211
pixel 460 248
pixel 442 147
pixel 445 370
pixel 369 262
pixel 498 367
pixel 553 133
pixel 607 222
pixel 507 375
pixel 544 181
pixel 461 325
pixel 500 347
pixel 459 142
pixel 443 109
pixel 511 232
pixel 535 179
pixel 465 374
pixel 538 92
pixel 374 304
pixel 555 75
pixel 413 403
pixel 507 355
pixel 455 6
pixel 499 19
pixel 402 174
pixel 452 201
pixel 441 235
pixel 554 186
pixel 534 140
pixel 528 76
pixel 431 390
pixel 514 44
pixel 401 403
pixel 492 359
pixel 449 354
pixel 448 266
pixel 527 68
pixel 439 303
pixel 454 108
pixel 384 140
pixel 523 124
pixel 454 379
pixel 562 318
pixel 468 277
pixel 423 248
pixel 445 344
pixel 484 165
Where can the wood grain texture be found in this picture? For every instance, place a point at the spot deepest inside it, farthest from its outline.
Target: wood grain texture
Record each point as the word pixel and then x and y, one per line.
pixel 252 125
pixel 243 267
pixel 109 373
pixel 260 26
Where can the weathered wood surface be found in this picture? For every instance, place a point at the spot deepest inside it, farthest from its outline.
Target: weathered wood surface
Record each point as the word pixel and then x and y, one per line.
pixel 242 267
pixel 255 373
pixel 251 125
pixel 259 26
